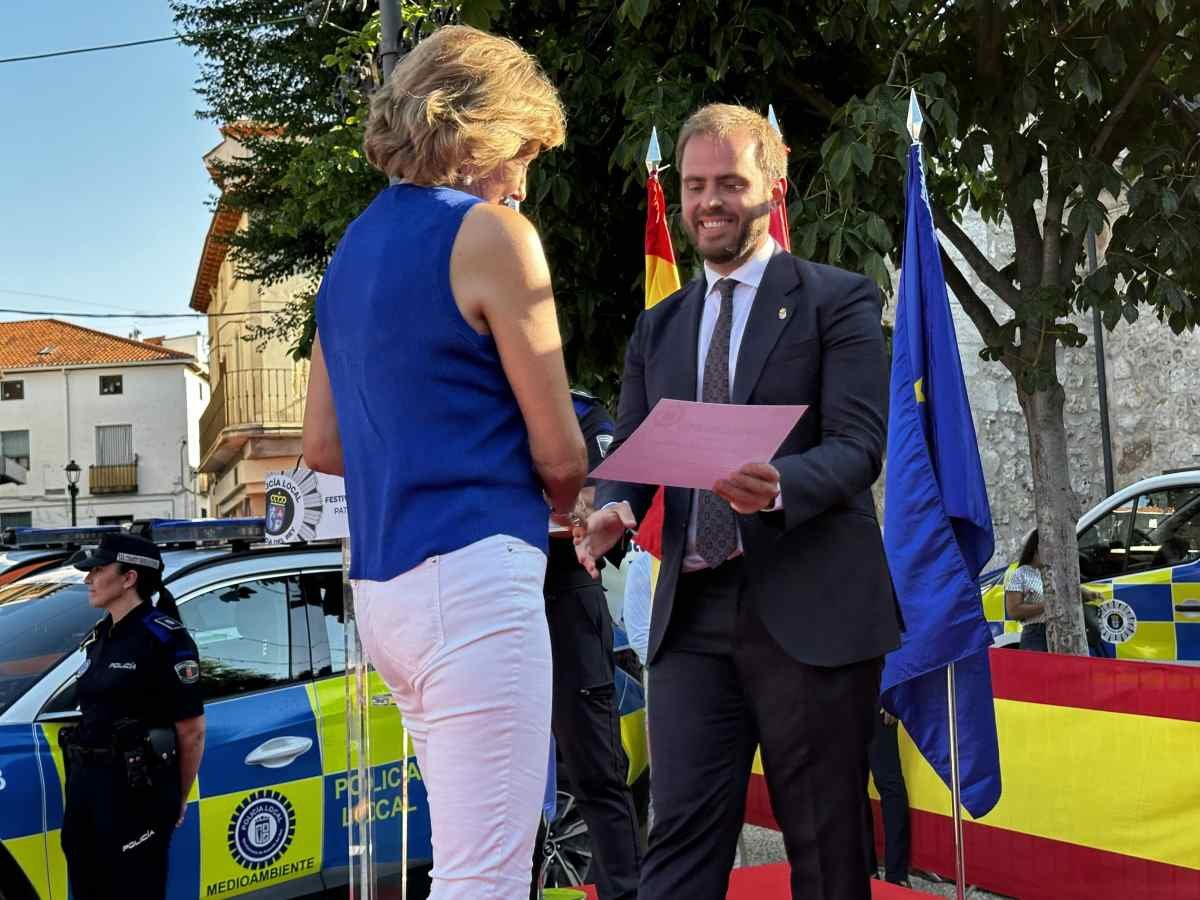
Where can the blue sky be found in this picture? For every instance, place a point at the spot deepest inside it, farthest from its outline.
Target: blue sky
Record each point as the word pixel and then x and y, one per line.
pixel 101 177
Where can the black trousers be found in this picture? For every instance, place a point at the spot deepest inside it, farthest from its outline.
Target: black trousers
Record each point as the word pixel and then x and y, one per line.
pixel 116 838
pixel 720 686
pixel 587 730
pixel 884 755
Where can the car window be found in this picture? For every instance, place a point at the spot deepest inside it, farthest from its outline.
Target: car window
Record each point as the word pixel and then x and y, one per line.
pixel 40 623
pixel 251 635
pixel 1166 529
pixel 322 593
pixel 1103 545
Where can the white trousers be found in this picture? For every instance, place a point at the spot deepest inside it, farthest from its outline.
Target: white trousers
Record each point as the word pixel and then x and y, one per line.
pixel 461 640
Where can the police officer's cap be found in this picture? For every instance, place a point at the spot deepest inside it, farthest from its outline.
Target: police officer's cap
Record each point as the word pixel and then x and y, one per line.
pixel 123 548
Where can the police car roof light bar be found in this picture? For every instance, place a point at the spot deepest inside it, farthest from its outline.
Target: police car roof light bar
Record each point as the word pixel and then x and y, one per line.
pixel 190 531
pixel 56 537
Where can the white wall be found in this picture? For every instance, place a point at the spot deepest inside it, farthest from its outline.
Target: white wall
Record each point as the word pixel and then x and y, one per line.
pixel 61 410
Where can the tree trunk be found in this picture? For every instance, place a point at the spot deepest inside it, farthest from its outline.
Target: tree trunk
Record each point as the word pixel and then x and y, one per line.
pixel 1057 514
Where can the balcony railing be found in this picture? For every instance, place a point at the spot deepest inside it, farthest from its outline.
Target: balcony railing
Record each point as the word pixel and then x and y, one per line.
pixel 118 479
pixel 267 398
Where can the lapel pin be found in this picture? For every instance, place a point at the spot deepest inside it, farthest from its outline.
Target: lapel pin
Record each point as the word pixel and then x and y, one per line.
pixel 783 312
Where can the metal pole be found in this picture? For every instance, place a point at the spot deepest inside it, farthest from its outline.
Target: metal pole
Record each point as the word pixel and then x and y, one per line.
pixel 74 491
pixel 960 863
pixel 389 46
pixel 1101 377
pixel 360 798
pixel 389 35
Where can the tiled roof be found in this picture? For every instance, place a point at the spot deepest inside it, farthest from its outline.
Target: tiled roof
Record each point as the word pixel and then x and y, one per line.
pixel 224 223
pixel 51 343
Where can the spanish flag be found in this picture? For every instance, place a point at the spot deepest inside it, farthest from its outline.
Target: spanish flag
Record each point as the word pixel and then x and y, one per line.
pixel 662 280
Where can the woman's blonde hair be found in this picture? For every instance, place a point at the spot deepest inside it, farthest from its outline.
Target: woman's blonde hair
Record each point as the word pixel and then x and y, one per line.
pixel 461 100
pixel 722 119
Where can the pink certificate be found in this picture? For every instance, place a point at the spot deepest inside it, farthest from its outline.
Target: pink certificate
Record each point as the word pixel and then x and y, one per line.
pixel 694 445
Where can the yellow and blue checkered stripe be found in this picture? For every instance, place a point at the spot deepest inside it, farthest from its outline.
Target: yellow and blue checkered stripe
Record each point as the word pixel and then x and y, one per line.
pixel 1166 602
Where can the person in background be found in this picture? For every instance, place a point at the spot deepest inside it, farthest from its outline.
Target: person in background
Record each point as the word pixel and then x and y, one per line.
pixel 131 760
pixel 1023 596
pixel 635 611
pixel 586 721
pixel 438 388
pixel 884 756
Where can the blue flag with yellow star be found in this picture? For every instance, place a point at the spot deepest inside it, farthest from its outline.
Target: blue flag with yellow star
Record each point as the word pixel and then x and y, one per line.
pixel 937 524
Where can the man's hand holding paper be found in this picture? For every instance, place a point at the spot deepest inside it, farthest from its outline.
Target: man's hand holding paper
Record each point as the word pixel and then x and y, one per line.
pixel 752 488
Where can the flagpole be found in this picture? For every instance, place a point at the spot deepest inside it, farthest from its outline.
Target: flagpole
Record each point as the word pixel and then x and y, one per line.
pixel 915 122
pixel 960 861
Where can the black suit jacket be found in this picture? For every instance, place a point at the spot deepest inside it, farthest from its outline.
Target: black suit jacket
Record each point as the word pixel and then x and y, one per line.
pixel 816 570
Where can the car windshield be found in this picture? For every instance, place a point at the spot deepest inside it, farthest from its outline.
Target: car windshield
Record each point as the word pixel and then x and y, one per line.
pixel 40 623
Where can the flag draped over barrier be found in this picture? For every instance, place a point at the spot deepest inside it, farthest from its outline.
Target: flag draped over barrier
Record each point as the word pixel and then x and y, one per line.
pixel 937 524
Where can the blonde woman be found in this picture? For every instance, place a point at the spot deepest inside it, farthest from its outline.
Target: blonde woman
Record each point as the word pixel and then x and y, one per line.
pixel 438 389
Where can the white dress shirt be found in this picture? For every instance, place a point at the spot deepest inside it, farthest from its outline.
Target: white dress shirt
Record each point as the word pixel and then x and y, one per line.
pixel 749 276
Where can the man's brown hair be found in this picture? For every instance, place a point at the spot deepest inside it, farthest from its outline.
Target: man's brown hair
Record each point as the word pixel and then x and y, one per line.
pixel 719 120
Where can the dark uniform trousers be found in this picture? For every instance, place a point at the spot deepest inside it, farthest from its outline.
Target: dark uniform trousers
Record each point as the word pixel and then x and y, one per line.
pixel 884 755
pixel 720 686
pixel 587 726
pixel 115 837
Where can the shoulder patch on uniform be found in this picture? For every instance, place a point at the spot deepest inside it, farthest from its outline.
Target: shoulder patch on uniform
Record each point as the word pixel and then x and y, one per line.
pixel 188 671
pixel 162 626
pixel 604 441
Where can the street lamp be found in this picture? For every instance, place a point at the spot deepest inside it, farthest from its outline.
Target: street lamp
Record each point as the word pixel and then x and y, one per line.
pixel 72 469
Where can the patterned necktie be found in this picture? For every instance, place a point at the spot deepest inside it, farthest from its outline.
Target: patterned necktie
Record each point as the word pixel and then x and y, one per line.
pixel 716 526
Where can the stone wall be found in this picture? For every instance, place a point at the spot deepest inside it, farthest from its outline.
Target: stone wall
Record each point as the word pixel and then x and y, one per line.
pixel 1153 395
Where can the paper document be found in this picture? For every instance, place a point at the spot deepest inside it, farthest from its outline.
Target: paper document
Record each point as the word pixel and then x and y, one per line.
pixel 694 445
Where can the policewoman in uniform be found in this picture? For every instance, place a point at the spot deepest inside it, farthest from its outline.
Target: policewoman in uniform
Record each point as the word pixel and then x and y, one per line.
pixel 132 759
pixel 585 719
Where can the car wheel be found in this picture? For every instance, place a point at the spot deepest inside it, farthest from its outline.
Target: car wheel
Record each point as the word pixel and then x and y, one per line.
pixel 567 849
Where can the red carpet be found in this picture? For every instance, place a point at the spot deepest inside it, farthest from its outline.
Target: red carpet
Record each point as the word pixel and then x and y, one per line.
pixel 771 883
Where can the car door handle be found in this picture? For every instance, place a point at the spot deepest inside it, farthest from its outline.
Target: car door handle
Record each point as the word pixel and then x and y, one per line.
pixel 1188 606
pixel 278 752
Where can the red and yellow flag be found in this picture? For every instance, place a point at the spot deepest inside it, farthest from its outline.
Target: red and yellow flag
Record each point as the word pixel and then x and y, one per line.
pixel 779 215
pixel 662 278
pixel 779 222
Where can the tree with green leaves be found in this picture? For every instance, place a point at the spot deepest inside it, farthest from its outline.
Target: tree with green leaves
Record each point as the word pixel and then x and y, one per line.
pixel 1050 120
pixel 1046 119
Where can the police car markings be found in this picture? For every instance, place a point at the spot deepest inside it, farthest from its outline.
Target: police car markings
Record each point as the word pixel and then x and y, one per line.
pixel 390 778
pixel 1118 622
pixel 261 829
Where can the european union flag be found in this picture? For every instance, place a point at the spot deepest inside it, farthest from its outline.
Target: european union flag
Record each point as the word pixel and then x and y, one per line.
pixel 937 524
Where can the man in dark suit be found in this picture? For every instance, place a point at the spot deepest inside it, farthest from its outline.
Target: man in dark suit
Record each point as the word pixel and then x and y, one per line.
pixel 774 606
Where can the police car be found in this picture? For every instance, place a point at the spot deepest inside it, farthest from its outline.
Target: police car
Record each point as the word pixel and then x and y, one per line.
pixel 269 811
pixel 1140 551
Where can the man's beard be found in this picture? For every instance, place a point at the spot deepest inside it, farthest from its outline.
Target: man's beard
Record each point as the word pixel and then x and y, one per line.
pixel 748 238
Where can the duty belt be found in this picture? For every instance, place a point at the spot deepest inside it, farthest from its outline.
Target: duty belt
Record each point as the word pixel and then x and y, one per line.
pixel 90 756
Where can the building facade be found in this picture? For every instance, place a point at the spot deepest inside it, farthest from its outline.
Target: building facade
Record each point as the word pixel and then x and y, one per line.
pixel 252 424
pixel 126 412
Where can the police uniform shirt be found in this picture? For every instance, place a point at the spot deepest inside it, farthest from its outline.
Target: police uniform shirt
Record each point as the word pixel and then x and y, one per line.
pixel 597 427
pixel 144 667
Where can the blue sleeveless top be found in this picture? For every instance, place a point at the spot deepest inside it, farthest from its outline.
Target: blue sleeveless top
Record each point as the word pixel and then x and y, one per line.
pixel 436 451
